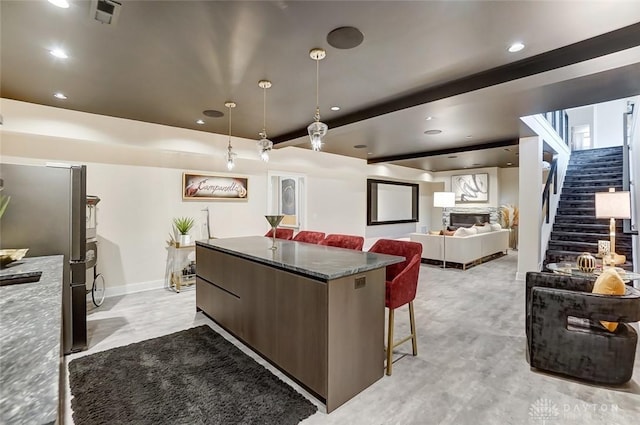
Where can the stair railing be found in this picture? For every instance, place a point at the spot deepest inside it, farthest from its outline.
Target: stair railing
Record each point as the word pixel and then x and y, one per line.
pixel 629 125
pixel 552 179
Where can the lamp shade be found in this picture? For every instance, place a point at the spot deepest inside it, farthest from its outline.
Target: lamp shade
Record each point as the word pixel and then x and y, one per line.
pixel 444 199
pixel 613 205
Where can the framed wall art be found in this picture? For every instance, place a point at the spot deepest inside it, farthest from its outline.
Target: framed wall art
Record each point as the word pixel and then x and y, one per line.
pixel 471 188
pixel 214 187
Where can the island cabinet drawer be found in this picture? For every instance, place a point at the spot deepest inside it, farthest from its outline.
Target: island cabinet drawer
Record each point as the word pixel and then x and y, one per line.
pixel 218 268
pixel 220 305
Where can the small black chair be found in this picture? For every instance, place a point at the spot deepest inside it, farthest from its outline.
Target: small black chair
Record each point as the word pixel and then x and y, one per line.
pixel 564 334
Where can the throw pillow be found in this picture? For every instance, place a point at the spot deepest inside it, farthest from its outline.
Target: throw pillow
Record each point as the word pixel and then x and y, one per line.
pixel 483 229
pixel 449 232
pixel 435 232
pixel 609 283
pixel 496 226
pixel 466 231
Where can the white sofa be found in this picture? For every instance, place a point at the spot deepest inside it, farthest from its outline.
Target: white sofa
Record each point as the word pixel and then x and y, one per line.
pixel 463 250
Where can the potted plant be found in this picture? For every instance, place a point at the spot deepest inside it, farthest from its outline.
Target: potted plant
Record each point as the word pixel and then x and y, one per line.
pixel 183 225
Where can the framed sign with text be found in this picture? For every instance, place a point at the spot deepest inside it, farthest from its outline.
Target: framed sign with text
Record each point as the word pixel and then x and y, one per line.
pixel 213 187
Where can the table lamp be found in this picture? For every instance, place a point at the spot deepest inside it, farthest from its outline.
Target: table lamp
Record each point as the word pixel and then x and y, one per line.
pixel 613 205
pixel 444 200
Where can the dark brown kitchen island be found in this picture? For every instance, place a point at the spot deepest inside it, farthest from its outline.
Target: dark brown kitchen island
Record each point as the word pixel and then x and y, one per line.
pixel 315 312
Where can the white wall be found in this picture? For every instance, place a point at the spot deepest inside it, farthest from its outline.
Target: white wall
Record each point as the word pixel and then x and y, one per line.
pixel 533 231
pixel 136 169
pixel 608 123
pixel 508 181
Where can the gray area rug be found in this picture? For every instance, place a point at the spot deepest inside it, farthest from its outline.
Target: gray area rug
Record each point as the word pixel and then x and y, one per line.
pixel 189 377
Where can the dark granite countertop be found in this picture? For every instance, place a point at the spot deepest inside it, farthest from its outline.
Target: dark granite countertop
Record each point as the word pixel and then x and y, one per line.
pixel 30 332
pixel 316 261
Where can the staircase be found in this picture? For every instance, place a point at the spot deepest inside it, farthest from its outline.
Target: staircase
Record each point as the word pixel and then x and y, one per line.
pixel 576 229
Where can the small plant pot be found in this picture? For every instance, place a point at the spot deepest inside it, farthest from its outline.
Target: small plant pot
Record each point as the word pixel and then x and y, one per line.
pixel 184 240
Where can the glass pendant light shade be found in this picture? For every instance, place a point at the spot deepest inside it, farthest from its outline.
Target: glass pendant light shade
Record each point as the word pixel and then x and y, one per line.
pixel 264 145
pixel 317 129
pixel 230 155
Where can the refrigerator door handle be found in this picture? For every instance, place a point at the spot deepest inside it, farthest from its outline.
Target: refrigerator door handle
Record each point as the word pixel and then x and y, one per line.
pixel 78 212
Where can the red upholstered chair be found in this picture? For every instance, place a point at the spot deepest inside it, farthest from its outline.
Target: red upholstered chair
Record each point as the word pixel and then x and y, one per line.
pixel 309 236
pixel 344 241
pixel 281 234
pixel 401 285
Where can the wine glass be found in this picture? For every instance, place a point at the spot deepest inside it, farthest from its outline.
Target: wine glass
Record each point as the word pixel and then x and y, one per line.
pixel 274 220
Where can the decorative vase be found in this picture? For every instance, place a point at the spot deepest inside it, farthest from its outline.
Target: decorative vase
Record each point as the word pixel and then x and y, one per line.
pixel 586 262
pixel 184 240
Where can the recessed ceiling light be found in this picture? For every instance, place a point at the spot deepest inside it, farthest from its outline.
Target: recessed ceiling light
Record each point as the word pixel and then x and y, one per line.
pixel 369 153
pixel 516 47
pixel 60 3
pixel 431 132
pixel 469 136
pixel 200 122
pixel 508 163
pixel 429 118
pixel 335 108
pixel 60 96
pixel 360 146
pixel 59 53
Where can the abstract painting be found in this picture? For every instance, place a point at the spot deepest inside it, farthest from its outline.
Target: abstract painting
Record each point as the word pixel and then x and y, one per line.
pixel 471 187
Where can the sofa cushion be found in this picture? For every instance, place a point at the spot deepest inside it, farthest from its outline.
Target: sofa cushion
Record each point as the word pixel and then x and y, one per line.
pixel 609 283
pixel 496 226
pixel 466 231
pixel 483 229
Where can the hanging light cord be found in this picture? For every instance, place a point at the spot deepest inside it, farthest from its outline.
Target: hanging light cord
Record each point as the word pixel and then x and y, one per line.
pixel 317 117
pixel 264 112
pixel 230 128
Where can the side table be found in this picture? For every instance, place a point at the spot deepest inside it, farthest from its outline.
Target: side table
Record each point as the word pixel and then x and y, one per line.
pixel 180 270
pixel 571 269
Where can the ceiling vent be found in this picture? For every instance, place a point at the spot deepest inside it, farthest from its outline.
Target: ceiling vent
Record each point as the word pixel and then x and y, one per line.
pixel 105 11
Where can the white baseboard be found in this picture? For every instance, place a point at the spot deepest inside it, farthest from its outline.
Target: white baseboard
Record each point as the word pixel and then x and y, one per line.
pixel 116 291
pixel 520 276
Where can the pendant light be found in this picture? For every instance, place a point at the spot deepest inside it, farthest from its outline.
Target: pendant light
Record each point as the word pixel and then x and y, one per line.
pixel 317 129
pixel 264 145
pixel 230 155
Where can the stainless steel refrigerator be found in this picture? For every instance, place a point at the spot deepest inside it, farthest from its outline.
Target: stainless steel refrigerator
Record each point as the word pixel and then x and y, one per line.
pixel 47 214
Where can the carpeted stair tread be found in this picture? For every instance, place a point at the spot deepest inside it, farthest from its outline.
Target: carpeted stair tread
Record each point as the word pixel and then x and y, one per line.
pixel 581 227
pixel 560 235
pixel 592 189
pixel 602 176
pixel 599 185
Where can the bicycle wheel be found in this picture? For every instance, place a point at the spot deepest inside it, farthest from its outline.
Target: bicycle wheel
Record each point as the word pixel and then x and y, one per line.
pixel 97 290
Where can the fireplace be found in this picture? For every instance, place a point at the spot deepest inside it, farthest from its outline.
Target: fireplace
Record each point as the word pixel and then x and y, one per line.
pixel 457 219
